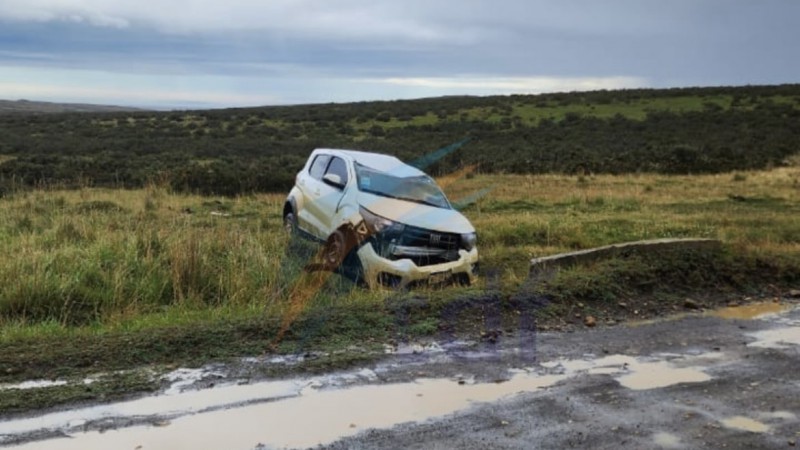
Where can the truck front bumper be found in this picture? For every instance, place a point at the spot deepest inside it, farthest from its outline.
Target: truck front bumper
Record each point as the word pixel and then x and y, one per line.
pixel 379 271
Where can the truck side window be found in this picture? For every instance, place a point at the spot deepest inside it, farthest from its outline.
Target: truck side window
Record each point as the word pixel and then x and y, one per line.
pixel 338 167
pixel 318 166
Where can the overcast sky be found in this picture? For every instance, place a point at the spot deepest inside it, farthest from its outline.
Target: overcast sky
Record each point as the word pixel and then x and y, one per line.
pixel 217 53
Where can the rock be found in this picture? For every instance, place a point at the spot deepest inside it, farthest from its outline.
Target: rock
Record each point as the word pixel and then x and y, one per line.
pixel 792 443
pixel 491 336
pixel 503 422
pixel 622 305
pixel 589 321
pixel 794 293
pixel 690 304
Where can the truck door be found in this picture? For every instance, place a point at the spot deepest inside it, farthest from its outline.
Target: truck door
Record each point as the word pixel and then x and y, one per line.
pixel 310 184
pixel 331 195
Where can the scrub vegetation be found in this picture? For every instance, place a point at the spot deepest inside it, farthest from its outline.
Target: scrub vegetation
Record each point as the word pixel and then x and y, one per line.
pixel 99 279
pixel 241 151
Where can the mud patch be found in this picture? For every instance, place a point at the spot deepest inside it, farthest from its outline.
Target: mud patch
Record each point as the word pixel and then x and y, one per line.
pixel 181 379
pixel 666 440
pixel 660 374
pixel 166 405
pixel 751 311
pixel 634 374
pixel 776 338
pixel 745 424
pixel 328 408
pixel 312 418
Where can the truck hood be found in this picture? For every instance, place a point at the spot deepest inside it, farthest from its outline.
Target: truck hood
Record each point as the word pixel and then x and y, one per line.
pixel 416 214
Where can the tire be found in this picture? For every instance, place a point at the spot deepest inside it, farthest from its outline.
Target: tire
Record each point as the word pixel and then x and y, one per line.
pixel 335 250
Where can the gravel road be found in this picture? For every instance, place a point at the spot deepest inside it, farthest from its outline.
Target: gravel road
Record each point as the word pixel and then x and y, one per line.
pixel 696 381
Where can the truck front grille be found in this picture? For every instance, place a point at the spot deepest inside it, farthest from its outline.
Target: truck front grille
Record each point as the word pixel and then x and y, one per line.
pixel 423 247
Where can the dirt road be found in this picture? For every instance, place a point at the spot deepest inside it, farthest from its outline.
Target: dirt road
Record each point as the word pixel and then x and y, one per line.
pixel 700 381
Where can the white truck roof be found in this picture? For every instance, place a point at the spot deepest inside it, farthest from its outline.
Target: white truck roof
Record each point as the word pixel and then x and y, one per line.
pixel 378 161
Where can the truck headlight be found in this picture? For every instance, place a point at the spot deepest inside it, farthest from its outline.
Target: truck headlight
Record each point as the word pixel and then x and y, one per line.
pixel 469 240
pixel 377 224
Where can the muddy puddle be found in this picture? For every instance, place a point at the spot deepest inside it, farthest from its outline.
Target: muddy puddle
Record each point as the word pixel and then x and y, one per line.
pixel 637 374
pixel 783 337
pixel 745 424
pixel 751 311
pixel 168 404
pixel 776 338
pixel 660 374
pixel 743 312
pixel 306 412
pixel 312 417
pixel 667 440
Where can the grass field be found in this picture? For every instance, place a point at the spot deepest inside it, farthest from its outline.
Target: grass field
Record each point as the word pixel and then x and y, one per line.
pixel 104 259
pixel 99 279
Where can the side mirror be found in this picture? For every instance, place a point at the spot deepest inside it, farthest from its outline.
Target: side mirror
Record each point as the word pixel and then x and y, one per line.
pixel 333 180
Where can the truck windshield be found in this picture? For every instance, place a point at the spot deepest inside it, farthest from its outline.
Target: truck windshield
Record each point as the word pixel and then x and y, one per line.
pixel 418 189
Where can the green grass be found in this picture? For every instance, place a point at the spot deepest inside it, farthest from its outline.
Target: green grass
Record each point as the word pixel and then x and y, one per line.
pixel 106 258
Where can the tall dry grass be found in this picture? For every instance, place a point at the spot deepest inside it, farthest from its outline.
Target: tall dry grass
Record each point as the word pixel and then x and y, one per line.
pixel 78 257
pixel 104 257
pixel 528 216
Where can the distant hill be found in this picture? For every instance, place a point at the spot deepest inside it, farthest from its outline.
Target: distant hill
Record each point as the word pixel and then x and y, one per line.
pixel 243 150
pixel 27 106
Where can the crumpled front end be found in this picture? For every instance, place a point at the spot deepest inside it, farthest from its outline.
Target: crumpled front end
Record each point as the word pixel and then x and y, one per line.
pixel 403 256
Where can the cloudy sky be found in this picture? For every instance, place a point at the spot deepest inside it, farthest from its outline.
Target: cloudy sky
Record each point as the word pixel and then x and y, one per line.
pixel 213 53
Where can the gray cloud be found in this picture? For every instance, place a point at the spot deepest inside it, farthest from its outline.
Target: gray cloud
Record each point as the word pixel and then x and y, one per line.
pixel 410 48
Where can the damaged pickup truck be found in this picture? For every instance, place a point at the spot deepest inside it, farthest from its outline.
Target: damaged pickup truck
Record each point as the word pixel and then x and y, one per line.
pixel 384 220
